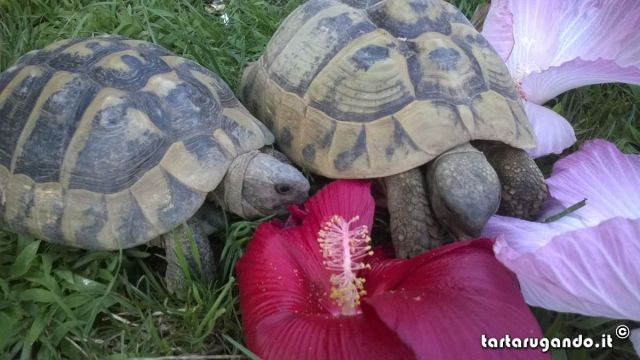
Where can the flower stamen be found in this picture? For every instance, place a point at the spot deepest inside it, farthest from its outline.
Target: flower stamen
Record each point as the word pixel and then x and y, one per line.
pixel 343 249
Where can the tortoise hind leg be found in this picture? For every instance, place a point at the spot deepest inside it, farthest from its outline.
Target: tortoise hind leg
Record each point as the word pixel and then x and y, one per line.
pixel 413 228
pixel 523 187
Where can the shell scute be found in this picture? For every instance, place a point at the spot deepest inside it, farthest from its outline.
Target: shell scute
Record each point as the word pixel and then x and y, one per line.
pixel 41 145
pixel 16 102
pixel 295 66
pixel 81 56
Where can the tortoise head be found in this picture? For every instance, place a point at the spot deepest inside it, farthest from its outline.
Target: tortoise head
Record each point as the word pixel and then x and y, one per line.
pixel 464 190
pixel 259 184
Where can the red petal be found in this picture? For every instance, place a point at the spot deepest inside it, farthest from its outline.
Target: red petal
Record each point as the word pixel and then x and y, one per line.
pixel 284 305
pixel 281 271
pixel 302 336
pixel 442 302
pixel 347 198
pixel 297 213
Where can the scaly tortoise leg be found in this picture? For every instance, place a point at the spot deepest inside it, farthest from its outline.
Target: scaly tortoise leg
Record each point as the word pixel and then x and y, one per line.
pixel 464 190
pixel 413 228
pixel 523 187
pixel 205 222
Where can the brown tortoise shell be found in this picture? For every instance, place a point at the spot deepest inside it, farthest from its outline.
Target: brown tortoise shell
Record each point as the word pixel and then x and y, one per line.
pixel 109 142
pixel 364 89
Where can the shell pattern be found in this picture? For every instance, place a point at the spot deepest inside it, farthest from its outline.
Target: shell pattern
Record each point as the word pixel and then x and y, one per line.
pixel 366 88
pixel 109 142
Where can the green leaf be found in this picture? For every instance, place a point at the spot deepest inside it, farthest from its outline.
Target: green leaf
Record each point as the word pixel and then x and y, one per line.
pixel 162 13
pixel 47 263
pixel 558 354
pixel 7 330
pixel 4 286
pixel 24 260
pixel 208 323
pixel 586 323
pixel 240 347
pixel 134 253
pixel 38 295
pixel 65 275
pixel 62 329
pixel 38 325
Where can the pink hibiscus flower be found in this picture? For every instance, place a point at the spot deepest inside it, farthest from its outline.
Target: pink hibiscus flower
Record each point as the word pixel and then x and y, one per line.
pixel 585 262
pixel 551 46
pixel 315 290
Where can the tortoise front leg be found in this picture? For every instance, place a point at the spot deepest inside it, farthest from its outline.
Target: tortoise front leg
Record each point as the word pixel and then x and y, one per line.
pixel 413 228
pixel 523 187
pixel 206 221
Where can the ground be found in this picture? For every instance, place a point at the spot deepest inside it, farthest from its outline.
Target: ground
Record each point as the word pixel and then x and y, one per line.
pixel 57 302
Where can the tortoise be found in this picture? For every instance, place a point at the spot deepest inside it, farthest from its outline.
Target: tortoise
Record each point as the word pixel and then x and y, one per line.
pixel 108 143
pixel 406 91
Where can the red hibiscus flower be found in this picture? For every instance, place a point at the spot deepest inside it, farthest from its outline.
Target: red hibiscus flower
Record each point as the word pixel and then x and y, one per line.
pixel 316 290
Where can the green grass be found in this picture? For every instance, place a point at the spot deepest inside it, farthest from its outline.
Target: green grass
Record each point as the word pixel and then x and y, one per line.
pixel 57 302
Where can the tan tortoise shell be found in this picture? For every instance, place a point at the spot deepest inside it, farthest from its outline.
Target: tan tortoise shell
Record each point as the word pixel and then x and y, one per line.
pixel 109 142
pixel 365 89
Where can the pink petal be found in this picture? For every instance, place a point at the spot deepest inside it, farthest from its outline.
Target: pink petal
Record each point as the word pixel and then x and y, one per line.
pixel 555 46
pixel 441 303
pixel 602 174
pixel 631 55
pixel 285 309
pixel 498 28
pixel 533 47
pixel 554 132
pixel 549 33
pixel 592 271
pixel 540 87
pixel 599 173
pixel 635 340
pixel 598 29
pixel 528 236
pixel 586 261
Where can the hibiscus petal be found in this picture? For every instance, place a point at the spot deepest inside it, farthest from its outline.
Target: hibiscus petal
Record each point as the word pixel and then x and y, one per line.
pixel 540 87
pixel 597 29
pixel 498 28
pixel 582 262
pixel 441 303
pixel 599 173
pixel 554 132
pixel 631 55
pixel 284 286
pixel 347 198
pixel 551 33
pixel 285 315
pixel 588 271
pixel 528 236
pixel 532 49
pixel 279 263
pixel 603 175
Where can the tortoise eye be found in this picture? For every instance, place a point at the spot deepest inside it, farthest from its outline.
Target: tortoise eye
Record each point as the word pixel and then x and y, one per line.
pixel 282 188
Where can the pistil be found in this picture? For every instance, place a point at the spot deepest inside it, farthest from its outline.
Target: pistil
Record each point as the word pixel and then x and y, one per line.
pixel 343 250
